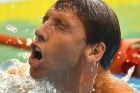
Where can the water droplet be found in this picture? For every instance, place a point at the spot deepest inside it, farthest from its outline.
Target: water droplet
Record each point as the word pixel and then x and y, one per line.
pixel 25 55
pixel 11 28
pixel 118 57
pixel 138 56
pixel 19 41
pixel 9 40
pixel 127 61
pixel 29 41
pixel 119 52
pixel 40 18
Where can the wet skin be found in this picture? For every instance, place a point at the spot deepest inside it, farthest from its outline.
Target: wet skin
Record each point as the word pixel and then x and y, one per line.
pixel 61 56
pixel 61 41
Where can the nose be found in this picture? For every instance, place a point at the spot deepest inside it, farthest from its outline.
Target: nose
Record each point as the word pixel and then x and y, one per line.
pixel 40 34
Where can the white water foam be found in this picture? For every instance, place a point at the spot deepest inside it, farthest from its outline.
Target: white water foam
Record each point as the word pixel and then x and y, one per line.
pixel 16 79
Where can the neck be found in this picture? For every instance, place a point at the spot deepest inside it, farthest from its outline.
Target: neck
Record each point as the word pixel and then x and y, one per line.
pixel 72 83
pixel 88 77
pixel 81 79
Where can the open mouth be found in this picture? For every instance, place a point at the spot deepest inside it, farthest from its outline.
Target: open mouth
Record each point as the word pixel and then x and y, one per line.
pixel 36 52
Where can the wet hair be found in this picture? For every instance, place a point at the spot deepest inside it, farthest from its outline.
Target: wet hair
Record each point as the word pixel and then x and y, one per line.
pixel 100 22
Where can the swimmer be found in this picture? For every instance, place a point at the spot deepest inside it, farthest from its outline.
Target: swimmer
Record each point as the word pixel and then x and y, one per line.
pixel 74 48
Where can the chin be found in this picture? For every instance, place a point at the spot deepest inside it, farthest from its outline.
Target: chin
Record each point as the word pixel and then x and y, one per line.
pixel 37 74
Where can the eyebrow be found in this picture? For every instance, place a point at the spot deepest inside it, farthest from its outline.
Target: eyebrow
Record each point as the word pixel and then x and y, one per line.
pixel 45 18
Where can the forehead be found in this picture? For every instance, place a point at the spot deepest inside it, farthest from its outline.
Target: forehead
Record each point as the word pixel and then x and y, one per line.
pixel 65 13
pixel 67 16
pixel 61 8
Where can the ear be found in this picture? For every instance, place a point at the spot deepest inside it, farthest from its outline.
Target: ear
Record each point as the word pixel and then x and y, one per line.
pixel 95 52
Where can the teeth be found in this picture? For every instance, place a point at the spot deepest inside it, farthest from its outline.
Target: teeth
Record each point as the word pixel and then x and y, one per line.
pixel 36 59
pixel 37 49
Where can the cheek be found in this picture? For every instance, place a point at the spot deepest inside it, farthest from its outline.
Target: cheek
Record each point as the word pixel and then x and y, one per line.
pixel 63 51
pixel 64 55
pixel 59 57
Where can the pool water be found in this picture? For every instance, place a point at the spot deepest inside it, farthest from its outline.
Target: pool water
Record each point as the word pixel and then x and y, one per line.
pixel 21 82
pixel 134 82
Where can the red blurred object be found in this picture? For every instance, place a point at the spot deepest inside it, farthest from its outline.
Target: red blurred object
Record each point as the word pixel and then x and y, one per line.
pixel 127 56
pixel 14 40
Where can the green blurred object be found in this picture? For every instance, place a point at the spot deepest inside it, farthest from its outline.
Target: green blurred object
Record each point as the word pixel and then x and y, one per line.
pixel 128 16
pixel 24 29
pixel 10 52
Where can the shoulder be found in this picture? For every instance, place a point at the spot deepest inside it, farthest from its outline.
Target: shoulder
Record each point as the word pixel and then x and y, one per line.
pixel 110 84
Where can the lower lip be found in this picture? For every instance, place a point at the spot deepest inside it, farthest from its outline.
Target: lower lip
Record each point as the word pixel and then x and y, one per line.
pixel 35 63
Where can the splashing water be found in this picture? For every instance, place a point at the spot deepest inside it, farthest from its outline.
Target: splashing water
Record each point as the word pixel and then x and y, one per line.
pixel 129 73
pixel 29 41
pixel 15 78
pixel 11 28
pixel 92 88
pixel 25 55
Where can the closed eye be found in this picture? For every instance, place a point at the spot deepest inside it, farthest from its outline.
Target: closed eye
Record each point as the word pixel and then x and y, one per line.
pixel 59 24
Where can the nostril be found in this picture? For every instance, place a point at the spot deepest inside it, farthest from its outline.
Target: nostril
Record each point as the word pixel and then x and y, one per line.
pixel 41 37
pixel 39 34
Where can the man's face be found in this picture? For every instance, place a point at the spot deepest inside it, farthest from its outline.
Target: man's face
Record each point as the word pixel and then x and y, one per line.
pixel 58 45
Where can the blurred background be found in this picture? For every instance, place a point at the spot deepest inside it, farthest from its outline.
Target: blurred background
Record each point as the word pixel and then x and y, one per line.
pixel 21 18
